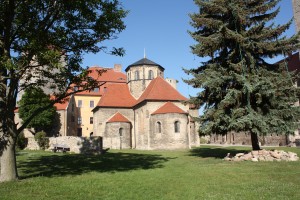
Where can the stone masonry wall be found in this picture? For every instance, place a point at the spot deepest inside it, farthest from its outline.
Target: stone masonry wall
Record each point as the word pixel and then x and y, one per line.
pixel 77 144
pixel 168 138
pixel 104 114
pixel 116 139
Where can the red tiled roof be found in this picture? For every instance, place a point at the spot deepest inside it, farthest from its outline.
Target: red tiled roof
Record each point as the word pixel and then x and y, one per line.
pixel 169 107
pixel 118 117
pixel 159 89
pixel 62 105
pixel 117 95
pixel 107 76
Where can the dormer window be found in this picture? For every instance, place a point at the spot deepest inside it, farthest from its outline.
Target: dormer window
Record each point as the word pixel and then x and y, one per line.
pixel 96 90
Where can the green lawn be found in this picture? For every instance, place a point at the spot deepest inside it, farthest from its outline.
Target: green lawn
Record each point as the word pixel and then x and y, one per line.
pixel 197 174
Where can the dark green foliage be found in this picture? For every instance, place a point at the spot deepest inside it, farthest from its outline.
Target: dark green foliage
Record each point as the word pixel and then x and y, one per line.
pixel 41 45
pixel 33 99
pixel 21 141
pixel 241 90
pixel 42 140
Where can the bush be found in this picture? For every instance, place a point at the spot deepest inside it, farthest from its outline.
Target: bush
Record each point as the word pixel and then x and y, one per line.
pixel 42 140
pixel 21 141
pixel 203 140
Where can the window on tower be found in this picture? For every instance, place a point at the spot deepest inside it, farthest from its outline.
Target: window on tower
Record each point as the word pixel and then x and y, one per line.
pixel 136 75
pixel 150 74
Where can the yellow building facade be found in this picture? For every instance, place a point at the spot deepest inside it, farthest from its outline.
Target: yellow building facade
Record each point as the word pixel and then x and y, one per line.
pixel 84 119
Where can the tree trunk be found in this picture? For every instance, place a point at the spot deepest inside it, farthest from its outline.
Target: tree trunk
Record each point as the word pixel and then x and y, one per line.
pixel 254 141
pixel 8 162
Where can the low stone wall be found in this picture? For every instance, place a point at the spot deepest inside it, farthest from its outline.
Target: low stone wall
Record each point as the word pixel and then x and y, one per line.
pixel 263 155
pixel 77 144
pixel 32 144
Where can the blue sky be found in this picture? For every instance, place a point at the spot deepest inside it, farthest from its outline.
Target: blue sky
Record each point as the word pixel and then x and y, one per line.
pixel 161 28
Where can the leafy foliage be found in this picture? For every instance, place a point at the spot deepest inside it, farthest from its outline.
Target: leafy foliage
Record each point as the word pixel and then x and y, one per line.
pixel 241 90
pixel 42 140
pixel 21 141
pixel 41 45
pixel 33 99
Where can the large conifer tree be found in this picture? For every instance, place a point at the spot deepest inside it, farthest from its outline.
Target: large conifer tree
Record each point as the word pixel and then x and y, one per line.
pixel 242 92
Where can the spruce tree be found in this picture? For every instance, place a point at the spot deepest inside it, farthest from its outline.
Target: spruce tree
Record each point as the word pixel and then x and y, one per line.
pixel 240 90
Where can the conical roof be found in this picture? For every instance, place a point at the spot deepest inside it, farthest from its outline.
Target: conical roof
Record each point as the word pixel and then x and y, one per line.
pixel 144 61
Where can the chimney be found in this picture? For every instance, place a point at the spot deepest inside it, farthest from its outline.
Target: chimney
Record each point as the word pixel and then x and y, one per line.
pixel 172 82
pixel 118 68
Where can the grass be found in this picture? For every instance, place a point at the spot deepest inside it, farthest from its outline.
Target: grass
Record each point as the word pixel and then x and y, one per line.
pixel 130 174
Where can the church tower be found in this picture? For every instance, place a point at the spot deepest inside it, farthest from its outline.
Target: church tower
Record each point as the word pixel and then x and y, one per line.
pixel 140 74
pixel 296 8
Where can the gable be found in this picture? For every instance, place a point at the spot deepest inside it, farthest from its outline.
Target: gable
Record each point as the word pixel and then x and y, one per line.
pixel 118 117
pixel 169 107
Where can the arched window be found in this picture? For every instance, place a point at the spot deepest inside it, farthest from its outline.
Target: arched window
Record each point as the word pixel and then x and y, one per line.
pixel 121 132
pixel 177 127
pixel 137 75
pixel 158 127
pixel 150 74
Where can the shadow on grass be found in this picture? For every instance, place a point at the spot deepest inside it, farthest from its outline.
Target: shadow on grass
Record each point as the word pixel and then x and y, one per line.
pixel 214 152
pixel 76 164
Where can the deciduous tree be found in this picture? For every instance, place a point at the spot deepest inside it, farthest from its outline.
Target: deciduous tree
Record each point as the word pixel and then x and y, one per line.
pixel 33 99
pixel 241 90
pixel 41 44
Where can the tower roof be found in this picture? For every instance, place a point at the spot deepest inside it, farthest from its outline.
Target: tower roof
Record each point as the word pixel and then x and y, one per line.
pixel 144 61
pixel 159 89
pixel 169 107
pixel 118 117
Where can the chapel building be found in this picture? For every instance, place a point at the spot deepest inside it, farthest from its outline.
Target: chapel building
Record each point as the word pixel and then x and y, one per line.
pixel 145 112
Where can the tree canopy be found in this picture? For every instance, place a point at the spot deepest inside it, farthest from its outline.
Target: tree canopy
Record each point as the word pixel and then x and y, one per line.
pixel 242 91
pixel 41 44
pixel 33 99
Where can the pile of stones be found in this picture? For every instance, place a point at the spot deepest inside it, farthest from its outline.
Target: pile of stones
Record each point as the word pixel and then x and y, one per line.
pixel 263 155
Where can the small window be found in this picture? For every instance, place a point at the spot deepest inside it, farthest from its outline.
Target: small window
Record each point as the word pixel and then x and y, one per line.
pixel 72 107
pixel 91 120
pixel 121 132
pixel 105 89
pixel 137 75
pixel 128 77
pixel 79 103
pixel 79 120
pixel 96 90
pixel 177 127
pixel 92 104
pixel 75 88
pixel 72 118
pixel 158 127
pixel 150 74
